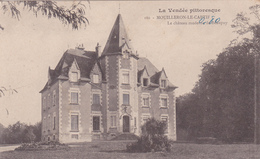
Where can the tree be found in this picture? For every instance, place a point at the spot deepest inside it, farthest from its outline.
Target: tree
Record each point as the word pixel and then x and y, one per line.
pixel 74 16
pixel 226 94
pixel 189 117
pixel 21 133
pixel 153 138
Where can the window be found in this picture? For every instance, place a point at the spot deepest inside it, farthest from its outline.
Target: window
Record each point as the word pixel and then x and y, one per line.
pixel 74 97
pixel 96 123
pixel 44 103
pixel 54 122
pixel 126 99
pixel 125 55
pixel 96 99
pixel 44 124
pixel 75 136
pixel 126 78
pixel 146 101
pixel 74 77
pixel 95 78
pixel 165 119
pixel 145 81
pixel 145 118
pixel 49 122
pixel 53 137
pixel 49 100
pixel 163 83
pixel 135 121
pixel 54 99
pixel 113 121
pixel 164 102
pixel 74 122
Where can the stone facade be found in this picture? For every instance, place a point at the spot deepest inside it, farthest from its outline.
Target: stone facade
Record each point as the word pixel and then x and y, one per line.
pixel 94 95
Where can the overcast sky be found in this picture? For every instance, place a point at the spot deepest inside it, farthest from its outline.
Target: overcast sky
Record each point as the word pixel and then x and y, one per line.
pixel 29 46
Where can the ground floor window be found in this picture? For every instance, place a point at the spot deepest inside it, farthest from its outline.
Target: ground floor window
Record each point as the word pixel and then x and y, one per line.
pixel 145 118
pixel 113 121
pixel 75 136
pixel 96 123
pixel 74 122
pixel 166 120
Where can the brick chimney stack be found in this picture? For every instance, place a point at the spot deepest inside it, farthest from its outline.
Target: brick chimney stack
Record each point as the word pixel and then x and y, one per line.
pixel 98 50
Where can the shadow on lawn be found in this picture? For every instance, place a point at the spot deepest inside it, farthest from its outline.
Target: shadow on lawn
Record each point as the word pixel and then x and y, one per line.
pixel 114 151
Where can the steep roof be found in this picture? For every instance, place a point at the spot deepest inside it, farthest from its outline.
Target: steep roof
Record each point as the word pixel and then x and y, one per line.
pixel 154 73
pixel 117 38
pixel 85 60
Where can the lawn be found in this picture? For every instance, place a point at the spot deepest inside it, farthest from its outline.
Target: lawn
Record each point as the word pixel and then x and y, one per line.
pixel 116 149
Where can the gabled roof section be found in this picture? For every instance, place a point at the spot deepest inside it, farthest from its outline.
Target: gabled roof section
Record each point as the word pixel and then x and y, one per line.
pixel 117 38
pixel 83 60
pixel 144 64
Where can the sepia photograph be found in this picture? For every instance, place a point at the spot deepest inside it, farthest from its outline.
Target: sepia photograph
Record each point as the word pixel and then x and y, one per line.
pixel 130 79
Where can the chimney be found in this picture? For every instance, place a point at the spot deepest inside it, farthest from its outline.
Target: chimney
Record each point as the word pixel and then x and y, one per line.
pixel 98 50
pixel 80 47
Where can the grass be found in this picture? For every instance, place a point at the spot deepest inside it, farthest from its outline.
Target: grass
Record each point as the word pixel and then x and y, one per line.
pixel 116 149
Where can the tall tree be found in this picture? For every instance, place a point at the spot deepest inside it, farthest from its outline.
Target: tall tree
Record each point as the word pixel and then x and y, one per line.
pixel 74 16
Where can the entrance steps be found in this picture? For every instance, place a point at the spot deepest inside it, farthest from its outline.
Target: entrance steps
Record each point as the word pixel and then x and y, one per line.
pixel 125 136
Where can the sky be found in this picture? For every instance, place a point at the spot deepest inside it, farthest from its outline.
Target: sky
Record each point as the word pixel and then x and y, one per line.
pixel 31 45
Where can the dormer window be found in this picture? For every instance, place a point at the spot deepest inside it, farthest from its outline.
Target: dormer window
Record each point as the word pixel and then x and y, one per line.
pixel 74 72
pixel 125 54
pixel 163 83
pixel 74 76
pixel 145 81
pixel 95 78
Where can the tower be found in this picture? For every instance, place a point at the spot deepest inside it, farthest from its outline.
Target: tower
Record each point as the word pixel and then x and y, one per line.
pixel 120 69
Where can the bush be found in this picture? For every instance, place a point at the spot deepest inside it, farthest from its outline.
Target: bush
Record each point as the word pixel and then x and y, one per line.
pixel 36 146
pixel 152 138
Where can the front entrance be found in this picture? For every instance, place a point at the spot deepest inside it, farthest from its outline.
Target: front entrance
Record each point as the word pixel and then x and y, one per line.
pixel 126 124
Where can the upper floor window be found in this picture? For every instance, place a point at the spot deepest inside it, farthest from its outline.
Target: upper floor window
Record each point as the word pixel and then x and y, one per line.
pixel 74 97
pixel 126 99
pixel 44 103
pixel 54 123
pixel 164 101
pixel 96 99
pixel 146 101
pixel 95 78
pixel 54 98
pixel 49 101
pixel 74 77
pixel 126 78
pixel 145 81
pixel 163 83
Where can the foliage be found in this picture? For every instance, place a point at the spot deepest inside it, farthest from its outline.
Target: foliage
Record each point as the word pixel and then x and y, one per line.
pixel 36 146
pixel 189 117
pixel 21 133
pixel 75 15
pixel 224 94
pixel 223 97
pixel 152 138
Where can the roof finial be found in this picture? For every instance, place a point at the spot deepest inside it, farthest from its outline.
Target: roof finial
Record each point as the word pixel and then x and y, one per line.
pixel 119 7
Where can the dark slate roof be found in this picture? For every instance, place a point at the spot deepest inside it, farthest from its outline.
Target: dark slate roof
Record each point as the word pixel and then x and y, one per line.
pixel 151 69
pixel 117 38
pixel 85 60
pixel 153 72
